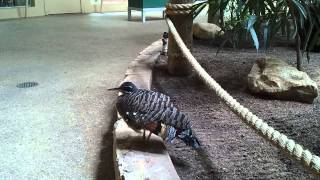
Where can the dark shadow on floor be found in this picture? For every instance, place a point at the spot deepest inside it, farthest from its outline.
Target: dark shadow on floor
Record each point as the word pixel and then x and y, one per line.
pixel 179 162
pixel 208 165
pixel 137 143
pixel 105 169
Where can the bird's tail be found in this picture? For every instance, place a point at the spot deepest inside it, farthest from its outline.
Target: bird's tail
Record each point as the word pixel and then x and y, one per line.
pixel 186 136
pixel 190 139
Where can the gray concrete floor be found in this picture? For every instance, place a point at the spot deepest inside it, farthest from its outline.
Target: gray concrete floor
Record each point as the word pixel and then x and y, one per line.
pixel 61 129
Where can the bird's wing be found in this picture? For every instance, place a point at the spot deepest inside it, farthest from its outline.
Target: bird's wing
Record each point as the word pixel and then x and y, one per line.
pixel 150 105
pixel 157 107
pixel 143 107
pixel 150 101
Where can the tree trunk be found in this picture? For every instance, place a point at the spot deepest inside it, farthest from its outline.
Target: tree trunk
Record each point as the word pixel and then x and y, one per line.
pixel 177 63
pixel 221 17
pixel 212 17
pixel 298 50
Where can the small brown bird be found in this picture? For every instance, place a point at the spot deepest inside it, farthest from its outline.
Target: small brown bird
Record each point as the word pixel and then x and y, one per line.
pixel 145 109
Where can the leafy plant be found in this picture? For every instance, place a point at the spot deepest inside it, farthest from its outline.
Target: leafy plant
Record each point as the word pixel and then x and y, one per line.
pixel 295 19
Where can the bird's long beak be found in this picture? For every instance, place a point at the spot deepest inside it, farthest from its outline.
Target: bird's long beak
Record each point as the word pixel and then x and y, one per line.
pixel 113 89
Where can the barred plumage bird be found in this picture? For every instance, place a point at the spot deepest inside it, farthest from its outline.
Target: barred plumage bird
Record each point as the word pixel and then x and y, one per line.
pixel 144 109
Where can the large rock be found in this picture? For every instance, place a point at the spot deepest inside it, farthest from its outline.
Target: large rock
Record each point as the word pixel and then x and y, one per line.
pixel 277 79
pixel 206 30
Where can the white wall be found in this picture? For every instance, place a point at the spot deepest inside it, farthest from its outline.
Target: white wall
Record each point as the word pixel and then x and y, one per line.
pixel 45 7
pixel 62 6
pixel 89 7
pixel 18 12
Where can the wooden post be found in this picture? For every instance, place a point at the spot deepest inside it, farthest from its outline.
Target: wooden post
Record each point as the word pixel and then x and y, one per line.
pixel 26 9
pixel 81 8
pixel 101 5
pixel 177 64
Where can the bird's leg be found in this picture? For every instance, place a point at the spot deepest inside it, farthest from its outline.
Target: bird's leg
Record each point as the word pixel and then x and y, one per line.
pixel 149 135
pixel 144 134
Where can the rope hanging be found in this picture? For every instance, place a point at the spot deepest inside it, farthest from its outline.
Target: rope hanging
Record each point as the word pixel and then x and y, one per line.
pixel 275 137
pixel 178 9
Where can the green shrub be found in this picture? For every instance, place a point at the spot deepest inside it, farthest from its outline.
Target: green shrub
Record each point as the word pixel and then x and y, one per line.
pixel 267 20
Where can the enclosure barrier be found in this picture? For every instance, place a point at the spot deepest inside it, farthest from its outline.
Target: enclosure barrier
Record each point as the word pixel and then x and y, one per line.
pixel 178 9
pixel 278 139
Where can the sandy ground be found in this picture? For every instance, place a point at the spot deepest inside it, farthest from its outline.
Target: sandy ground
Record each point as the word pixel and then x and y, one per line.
pixel 231 150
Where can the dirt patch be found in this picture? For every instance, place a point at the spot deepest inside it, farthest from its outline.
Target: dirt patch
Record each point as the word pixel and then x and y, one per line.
pixel 231 150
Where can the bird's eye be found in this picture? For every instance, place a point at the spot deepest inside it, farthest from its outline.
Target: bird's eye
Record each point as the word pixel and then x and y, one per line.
pixel 129 88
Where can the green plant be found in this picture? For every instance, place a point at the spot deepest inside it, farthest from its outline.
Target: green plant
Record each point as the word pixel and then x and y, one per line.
pixel 295 19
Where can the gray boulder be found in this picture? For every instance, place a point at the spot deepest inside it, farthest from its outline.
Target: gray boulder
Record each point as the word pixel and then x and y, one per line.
pixel 206 30
pixel 277 79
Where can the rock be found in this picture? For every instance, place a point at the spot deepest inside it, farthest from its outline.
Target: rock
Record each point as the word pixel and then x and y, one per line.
pixel 206 30
pixel 277 79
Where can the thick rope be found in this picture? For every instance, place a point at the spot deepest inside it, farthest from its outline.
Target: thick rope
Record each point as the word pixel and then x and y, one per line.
pixel 178 9
pixel 275 137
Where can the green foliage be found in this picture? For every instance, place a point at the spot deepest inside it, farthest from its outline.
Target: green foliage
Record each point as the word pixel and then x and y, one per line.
pixel 295 19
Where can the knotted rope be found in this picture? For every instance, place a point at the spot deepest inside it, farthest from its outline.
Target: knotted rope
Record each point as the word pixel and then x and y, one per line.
pixel 275 137
pixel 178 9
